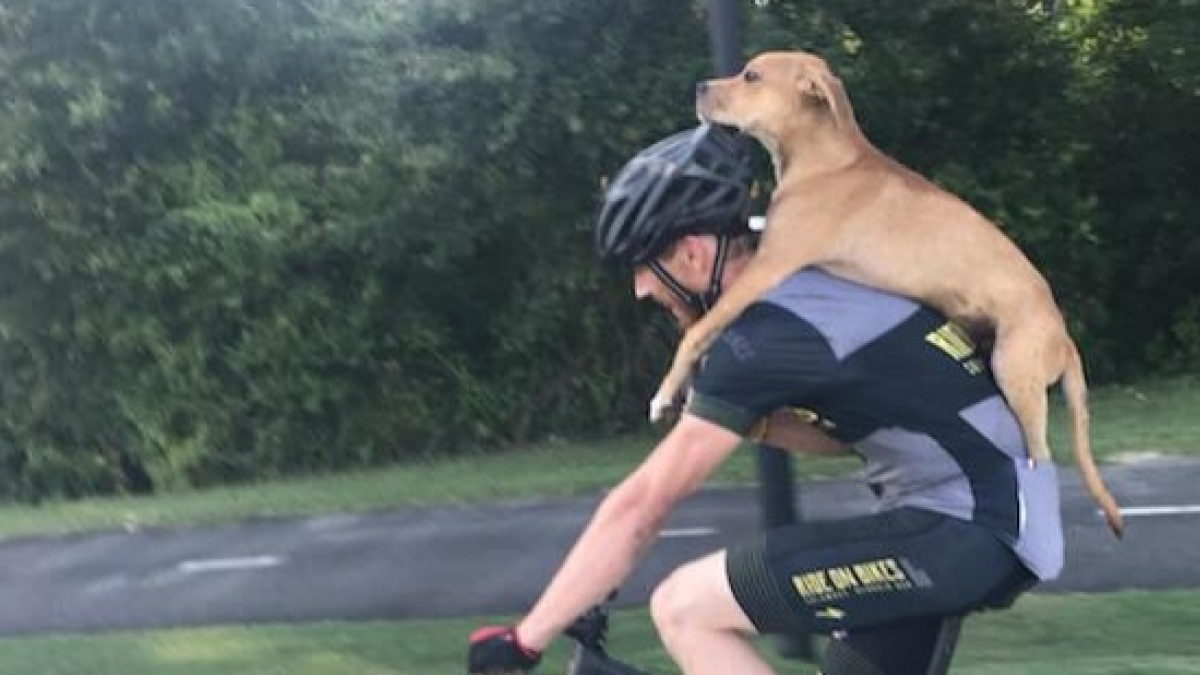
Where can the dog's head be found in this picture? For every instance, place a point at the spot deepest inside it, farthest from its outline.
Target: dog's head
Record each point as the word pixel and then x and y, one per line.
pixel 777 95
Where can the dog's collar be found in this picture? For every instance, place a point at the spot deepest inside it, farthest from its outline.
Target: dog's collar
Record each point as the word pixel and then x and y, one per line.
pixel 700 302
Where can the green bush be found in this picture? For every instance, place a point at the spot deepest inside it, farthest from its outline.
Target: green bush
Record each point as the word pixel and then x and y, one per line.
pixel 247 239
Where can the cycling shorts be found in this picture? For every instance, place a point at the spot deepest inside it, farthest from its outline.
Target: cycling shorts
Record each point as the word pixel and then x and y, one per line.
pixel 843 575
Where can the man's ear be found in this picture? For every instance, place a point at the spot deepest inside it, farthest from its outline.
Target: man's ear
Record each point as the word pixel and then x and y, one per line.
pixel 693 249
pixel 694 252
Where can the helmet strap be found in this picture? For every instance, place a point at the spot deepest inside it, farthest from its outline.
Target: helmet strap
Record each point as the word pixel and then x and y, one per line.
pixel 700 302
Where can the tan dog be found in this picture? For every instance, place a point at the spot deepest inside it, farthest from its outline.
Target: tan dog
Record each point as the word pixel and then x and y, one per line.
pixel 842 204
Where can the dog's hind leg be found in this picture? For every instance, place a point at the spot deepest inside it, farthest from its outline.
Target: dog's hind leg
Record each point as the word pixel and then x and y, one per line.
pixel 1025 362
pixel 1020 363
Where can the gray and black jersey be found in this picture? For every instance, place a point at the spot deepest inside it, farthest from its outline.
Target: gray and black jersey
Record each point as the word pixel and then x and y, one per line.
pixel 905 387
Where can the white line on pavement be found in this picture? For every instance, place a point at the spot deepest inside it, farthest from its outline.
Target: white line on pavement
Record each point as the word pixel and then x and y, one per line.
pixel 688 532
pixel 230 564
pixel 1186 509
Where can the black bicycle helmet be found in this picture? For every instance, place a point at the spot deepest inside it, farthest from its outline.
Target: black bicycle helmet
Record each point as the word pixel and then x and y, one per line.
pixel 693 182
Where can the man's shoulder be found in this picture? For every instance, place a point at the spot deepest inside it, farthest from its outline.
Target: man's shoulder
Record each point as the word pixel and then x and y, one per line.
pixel 813 284
pixel 848 314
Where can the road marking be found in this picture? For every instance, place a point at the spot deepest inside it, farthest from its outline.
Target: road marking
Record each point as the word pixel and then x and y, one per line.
pixel 1160 510
pixel 230 564
pixel 689 532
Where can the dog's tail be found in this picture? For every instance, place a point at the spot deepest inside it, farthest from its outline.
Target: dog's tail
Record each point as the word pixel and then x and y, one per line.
pixel 1075 390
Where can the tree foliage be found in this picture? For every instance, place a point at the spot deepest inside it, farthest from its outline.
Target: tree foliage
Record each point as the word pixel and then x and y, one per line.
pixel 256 237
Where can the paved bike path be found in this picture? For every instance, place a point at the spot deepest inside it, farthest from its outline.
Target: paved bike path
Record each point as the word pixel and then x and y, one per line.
pixel 470 560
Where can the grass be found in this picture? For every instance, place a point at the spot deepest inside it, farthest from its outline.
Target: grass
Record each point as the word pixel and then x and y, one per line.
pixel 1156 417
pixel 1150 417
pixel 1130 633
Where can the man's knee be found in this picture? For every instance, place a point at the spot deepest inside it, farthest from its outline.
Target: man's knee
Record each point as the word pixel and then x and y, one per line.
pixel 686 597
pixel 667 603
pixel 697 595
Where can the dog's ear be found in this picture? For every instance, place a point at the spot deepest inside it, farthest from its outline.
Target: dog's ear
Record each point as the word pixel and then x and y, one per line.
pixel 822 86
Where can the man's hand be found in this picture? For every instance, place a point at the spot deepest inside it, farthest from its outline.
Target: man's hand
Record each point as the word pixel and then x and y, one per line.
pixel 497 651
pixel 796 430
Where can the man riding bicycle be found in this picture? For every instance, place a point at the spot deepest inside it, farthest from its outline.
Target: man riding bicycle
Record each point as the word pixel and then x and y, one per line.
pixel 822 365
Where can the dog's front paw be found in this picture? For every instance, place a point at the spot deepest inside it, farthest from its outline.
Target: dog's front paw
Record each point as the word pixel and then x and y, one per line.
pixel 660 407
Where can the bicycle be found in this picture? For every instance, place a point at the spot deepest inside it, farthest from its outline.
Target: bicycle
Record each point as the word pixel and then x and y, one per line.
pixel 591 657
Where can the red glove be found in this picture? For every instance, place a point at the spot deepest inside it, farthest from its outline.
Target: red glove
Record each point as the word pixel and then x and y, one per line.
pixel 496 650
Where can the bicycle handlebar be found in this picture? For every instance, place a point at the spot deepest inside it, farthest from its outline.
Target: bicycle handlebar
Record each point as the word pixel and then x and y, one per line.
pixel 590 633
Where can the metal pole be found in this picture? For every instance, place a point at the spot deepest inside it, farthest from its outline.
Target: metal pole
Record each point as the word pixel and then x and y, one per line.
pixel 723 33
pixel 776 484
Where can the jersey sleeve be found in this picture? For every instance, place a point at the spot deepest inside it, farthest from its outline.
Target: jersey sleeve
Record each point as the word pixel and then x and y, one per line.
pixel 766 359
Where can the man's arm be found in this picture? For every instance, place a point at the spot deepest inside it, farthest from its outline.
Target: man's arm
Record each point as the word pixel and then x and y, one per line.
pixel 785 429
pixel 626 523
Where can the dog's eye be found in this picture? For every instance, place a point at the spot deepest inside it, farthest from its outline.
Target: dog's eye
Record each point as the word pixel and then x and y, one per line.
pixel 751 76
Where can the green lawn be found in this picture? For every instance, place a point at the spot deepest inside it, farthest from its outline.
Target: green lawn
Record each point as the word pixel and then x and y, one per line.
pixel 1152 417
pixel 1121 633
pixel 1130 633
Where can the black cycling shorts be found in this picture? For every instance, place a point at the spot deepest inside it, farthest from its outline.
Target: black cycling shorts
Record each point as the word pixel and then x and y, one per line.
pixel 838 575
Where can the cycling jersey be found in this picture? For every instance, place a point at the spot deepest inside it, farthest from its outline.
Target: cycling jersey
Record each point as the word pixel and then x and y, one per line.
pixel 901 384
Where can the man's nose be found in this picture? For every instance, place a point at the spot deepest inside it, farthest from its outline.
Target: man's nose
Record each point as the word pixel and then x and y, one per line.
pixel 701 88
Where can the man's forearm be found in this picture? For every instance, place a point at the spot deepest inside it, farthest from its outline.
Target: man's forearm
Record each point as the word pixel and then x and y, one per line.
pixel 622 529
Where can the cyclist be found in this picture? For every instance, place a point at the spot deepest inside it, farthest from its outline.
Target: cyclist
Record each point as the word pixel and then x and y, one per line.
pixel 964 521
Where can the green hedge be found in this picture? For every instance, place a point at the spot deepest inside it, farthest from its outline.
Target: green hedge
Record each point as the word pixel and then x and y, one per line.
pixel 251 238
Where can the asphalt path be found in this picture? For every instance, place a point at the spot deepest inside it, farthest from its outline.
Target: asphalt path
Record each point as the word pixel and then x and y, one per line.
pixel 472 560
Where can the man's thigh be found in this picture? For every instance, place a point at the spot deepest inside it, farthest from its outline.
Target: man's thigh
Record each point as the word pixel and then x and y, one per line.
pixel 863 572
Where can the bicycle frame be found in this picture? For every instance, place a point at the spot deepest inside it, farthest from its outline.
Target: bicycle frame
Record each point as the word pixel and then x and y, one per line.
pixel 588 662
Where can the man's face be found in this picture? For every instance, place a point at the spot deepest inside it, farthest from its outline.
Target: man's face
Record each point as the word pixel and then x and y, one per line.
pixel 688 261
